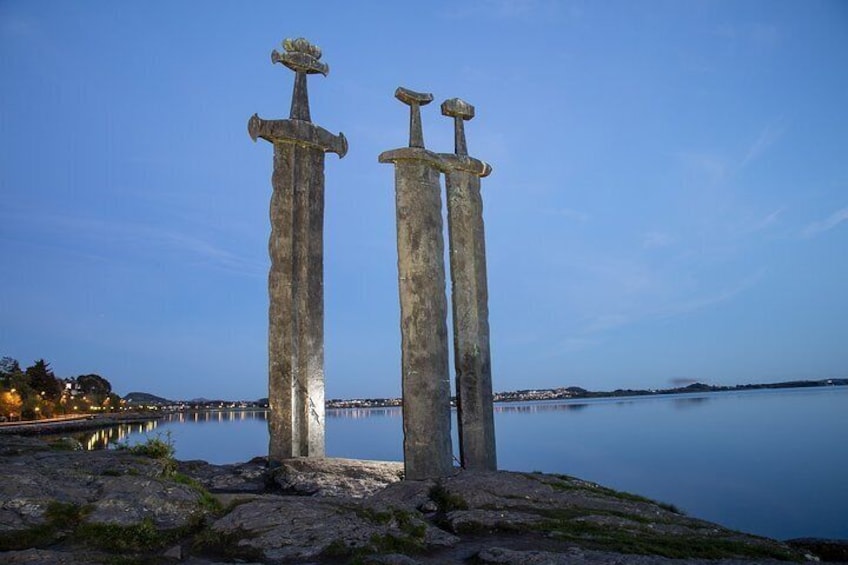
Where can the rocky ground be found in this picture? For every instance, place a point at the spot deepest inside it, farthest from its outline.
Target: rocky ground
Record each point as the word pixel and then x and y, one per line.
pixel 63 506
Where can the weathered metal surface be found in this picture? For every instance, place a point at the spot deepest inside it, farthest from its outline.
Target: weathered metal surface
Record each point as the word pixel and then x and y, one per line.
pixel 296 277
pixel 423 304
pixel 469 297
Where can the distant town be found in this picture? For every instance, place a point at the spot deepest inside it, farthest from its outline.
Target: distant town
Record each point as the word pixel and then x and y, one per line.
pixel 35 393
pixel 141 400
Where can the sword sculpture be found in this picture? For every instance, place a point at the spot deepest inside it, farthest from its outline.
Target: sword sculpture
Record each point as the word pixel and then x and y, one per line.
pixel 296 277
pixel 427 449
pixel 469 296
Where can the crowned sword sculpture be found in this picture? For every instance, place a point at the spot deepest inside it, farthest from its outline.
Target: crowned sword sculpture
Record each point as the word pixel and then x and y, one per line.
pixel 296 277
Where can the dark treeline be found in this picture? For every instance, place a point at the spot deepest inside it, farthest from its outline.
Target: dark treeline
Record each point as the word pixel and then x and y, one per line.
pixel 35 392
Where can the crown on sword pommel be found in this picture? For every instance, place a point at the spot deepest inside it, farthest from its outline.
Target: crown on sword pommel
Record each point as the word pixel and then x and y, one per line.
pixel 301 56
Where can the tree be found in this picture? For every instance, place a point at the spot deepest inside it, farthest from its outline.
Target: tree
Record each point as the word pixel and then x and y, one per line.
pixel 10 404
pixel 15 382
pixel 10 371
pixel 94 384
pixel 43 382
pixel 9 366
pixel 95 391
pixel 111 402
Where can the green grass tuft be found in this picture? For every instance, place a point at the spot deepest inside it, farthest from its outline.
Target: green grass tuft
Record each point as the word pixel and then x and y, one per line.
pixel 220 545
pixel 121 539
pixel 642 541
pixel 207 501
pixel 161 448
pixel 66 516
pixel 65 444
pixel 60 519
pixel 405 533
pixel 569 484
pixel 392 543
pixel 445 500
pixel 37 536
pixel 158 447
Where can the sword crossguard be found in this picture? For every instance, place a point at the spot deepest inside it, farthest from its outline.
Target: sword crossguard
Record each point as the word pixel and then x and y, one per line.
pixel 297 132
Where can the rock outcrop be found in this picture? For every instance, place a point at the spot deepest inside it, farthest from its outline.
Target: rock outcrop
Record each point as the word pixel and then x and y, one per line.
pixel 71 507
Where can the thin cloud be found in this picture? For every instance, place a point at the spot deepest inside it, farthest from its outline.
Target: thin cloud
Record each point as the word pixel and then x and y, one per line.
pixel 716 168
pixel 209 252
pixel 702 302
pixel 142 235
pixel 759 35
pixel 569 214
pixel 765 35
pixel 656 239
pixel 508 9
pixel 575 344
pixel 768 137
pixel 827 224
pixel 503 9
pixel 669 307
pixel 709 166
pixel 762 223
pixel 606 322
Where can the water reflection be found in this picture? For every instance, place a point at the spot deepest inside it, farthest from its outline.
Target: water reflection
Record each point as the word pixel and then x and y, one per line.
pixel 103 438
pixel 693 402
pixel 358 413
pixel 216 416
pixel 533 407
pixel 678 401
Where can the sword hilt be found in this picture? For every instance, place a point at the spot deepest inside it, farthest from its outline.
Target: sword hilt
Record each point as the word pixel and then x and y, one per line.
pixel 460 111
pixel 414 100
pixel 303 58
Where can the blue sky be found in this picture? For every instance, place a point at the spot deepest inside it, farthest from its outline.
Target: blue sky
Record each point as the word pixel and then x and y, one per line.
pixel 669 197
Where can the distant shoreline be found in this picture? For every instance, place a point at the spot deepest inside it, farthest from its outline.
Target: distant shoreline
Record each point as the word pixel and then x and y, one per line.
pixel 74 424
pixel 527 395
pixel 577 393
pixel 89 422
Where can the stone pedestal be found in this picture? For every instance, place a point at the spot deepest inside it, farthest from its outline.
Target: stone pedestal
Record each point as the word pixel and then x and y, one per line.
pixel 296 277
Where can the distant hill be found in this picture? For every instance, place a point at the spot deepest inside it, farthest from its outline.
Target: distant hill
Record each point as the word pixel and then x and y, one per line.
pixel 145 398
pixel 572 392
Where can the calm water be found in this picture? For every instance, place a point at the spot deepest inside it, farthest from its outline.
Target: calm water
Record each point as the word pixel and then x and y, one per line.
pixel 773 462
